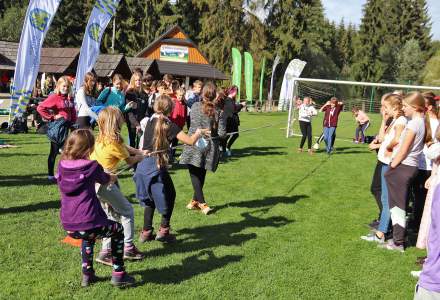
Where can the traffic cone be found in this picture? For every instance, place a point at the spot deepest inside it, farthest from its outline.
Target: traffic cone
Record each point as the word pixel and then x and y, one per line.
pixel 71 241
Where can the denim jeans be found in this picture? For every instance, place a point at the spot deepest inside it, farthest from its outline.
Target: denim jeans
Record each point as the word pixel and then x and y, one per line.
pixel 385 216
pixel 328 137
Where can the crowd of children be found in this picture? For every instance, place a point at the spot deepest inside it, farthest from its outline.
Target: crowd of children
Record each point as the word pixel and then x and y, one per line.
pixel 405 182
pixel 155 114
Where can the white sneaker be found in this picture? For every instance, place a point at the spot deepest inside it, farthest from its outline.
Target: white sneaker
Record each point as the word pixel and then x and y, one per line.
pixel 372 237
pixel 316 146
pixel 415 274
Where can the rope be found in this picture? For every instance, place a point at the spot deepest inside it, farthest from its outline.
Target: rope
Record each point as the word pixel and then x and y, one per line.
pixel 127 167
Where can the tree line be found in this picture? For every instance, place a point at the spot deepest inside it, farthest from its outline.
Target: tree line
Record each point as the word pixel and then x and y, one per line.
pixel 393 42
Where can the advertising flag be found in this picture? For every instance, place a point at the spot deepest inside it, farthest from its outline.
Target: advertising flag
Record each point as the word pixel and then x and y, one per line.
pixel 101 15
pixel 39 16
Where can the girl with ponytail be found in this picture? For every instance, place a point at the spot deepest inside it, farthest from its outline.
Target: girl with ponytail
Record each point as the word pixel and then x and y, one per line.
pixel 204 114
pixel 154 187
pixel 404 166
pixel 425 164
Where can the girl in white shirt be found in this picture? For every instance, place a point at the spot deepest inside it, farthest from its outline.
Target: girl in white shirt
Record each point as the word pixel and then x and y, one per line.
pixel 306 112
pixel 84 101
pixel 393 107
pixel 404 166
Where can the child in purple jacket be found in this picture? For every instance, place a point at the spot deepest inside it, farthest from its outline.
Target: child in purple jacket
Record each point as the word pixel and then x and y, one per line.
pixel 81 213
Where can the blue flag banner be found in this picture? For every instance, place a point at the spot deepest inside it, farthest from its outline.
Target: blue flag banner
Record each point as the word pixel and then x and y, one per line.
pixel 101 15
pixel 39 16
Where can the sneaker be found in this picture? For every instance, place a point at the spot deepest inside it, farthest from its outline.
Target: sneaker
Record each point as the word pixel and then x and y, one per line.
pixel 372 237
pixel 316 146
pixel 121 279
pixel 205 208
pixel 132 253
pixel 88 279
pixel 416 274
pixel 165 236
pixel 146 236
pixel 391 246
pixel 52 179
pixel 105 258
pixel 193 205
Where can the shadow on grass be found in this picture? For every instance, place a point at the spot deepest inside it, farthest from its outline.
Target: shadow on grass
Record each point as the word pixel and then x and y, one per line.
pixel 309 174
pixel 262 203
pixel 31 207
pixel 24 180
pixel 20 154
pixel 203 262
pixel 253 151
pixel 225 234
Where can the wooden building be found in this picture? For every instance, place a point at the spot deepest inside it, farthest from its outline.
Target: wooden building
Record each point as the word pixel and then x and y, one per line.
pixel 109 64
pixel 175 53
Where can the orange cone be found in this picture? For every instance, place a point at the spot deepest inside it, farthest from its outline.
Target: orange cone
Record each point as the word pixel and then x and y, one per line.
pixel 71 241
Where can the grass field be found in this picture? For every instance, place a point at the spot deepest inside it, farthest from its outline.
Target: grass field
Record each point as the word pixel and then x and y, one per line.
pixel 286 226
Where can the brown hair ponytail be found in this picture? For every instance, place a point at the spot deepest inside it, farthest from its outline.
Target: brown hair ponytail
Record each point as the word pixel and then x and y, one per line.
pixel 209 94
pixel 163 107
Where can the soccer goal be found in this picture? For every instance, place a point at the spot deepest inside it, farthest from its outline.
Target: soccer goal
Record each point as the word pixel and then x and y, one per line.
pixel 363 95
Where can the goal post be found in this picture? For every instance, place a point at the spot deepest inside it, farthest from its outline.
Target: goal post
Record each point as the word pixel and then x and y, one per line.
pixel 298 91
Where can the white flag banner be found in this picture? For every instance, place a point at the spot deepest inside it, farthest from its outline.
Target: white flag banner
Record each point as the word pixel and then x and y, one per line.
pixel 39 16
pixel 101 15
pixel 275 64
pixel 294 70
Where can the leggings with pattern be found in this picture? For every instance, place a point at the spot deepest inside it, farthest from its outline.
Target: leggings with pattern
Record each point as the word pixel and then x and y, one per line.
pixel 115 231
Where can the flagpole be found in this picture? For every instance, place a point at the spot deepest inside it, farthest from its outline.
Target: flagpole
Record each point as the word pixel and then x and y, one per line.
pixel 114 33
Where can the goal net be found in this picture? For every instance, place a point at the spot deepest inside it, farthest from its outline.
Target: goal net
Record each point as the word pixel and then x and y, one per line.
pixel 362 95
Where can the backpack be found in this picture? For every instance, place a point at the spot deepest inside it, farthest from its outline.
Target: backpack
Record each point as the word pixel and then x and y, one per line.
pixel 19 124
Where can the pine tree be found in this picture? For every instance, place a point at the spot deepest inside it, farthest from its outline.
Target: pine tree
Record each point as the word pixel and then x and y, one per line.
pixel 68 25
pixel 222 27
pixel 410 62
pixel 298 29
pixel 372 36
pixel 9 30
pixel 189 17
pixel 129 35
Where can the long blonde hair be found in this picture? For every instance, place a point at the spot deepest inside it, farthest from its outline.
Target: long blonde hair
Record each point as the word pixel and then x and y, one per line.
pixel 110 121
pixel 163 106
pixel 132 85
pixel 61 80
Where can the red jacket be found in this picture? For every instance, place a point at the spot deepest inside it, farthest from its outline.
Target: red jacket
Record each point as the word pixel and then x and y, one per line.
pixel 331 115
pixel 57 104
pixel 178 115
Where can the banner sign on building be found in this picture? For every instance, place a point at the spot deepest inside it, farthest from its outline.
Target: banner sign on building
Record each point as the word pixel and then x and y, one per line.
pixel 174 53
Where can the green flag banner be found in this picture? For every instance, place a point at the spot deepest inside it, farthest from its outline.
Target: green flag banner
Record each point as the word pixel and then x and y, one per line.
pixel 263 66
pixel 248 74
pixel 236 70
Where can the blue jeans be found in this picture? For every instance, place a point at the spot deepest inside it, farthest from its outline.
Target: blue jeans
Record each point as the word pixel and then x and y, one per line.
pixel 328 137
pixel 385 215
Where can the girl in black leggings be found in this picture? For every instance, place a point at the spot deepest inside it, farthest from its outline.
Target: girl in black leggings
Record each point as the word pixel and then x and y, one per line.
pixel 306 112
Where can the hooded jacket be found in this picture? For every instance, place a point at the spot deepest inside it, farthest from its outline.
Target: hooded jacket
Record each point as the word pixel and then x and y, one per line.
pixel 80 207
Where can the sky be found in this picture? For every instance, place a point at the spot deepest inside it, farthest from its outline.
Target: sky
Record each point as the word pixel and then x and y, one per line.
pixel 351 11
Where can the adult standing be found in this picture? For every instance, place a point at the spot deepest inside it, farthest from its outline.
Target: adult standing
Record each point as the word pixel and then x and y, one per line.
pixel 59 109
pixel 205 156
pixel 85 100
pixel 306 112
pixel 332 109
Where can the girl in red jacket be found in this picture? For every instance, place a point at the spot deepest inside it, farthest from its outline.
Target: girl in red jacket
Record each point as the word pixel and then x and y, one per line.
pixel 332 109
pixel 57 106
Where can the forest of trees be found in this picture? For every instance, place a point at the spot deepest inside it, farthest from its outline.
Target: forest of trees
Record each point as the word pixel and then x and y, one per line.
pixel 393 42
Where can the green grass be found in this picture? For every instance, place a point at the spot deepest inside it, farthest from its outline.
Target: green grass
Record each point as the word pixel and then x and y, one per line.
pixel 286 226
